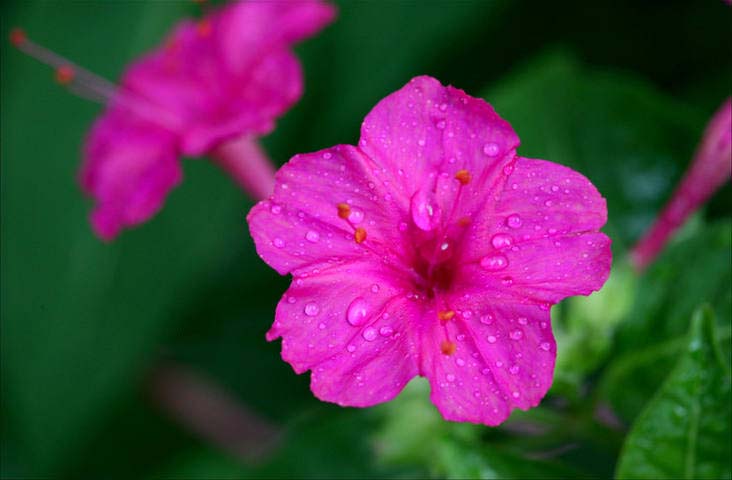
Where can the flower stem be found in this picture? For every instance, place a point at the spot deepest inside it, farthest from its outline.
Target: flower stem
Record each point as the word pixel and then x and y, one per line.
pixel 709 170
pixel 247 163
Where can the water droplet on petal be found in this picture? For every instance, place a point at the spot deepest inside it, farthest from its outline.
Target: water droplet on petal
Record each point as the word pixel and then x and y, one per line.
pixel 545 346
pixel 369 334
pixel 312 309
pixel 312 236
pixel 517 335
pixel 514 369
pixel 357 311
pixel 523 320
pixel 501 240
pixel 491 339
pixel 276 209
pixel 278 242
pixel 507 281
pixel 491 149
pixel 494 262
pixel 386 331
pixel 486 319
pixel 351 348
pixel 514 221
pixel 403 226
pixel 356 216
pixel 425 212
pixel 516 394
pixel 450 377
pixel 374 288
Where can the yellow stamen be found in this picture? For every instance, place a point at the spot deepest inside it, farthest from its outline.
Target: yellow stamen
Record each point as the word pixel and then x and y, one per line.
pixel 344 210
pixel 463 176
pixel 359 235
pixel 447 347
pixel 445 315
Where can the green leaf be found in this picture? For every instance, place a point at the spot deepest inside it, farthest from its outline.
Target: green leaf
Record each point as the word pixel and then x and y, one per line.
pixel 684 430
pixel 631 141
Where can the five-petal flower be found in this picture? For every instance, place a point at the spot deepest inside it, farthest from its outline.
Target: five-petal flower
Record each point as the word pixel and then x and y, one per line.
pixel 431 249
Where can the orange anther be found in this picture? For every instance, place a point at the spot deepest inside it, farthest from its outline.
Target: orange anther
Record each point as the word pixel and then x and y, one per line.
pixel 463 221
pixel 359 235
pixel 65 74
pixel 344 210
pixel 445 315
pixel 447 347
pixel 463 176
pixel 204 28
pixel 17 37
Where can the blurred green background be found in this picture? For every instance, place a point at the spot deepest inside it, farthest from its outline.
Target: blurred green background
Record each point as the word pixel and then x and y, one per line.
pixel 619 90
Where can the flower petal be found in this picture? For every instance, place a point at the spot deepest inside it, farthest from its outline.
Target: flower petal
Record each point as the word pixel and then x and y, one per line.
pixel 349 325
pixel 229 75
pixel 542 271
pixel 503 359
pixel 129 168
pixel 300 226
pixel 425 135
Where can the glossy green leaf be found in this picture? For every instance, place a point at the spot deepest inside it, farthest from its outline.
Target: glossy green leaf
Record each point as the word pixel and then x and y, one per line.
pixel 684 431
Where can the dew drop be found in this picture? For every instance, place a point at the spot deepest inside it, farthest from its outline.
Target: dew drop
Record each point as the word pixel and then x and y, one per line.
pixel 357 310
pixel 486 319
pixel 386 331
pixel 369 334
pixel 514 221
pixel 501 240
pixel 491 149
pixel 312 236
pixel 278 242
pixel 514 369
pixel 523 320
pixel 450 377
pixel 516 394
pixel 545 346
pixel 276 209
pixel 491 339
pixel 356 216
pixel 312 309
pixel 425 214
pixel 351 348
pixel 403 226
pixel 321 326
pixel 517 335
pixel 507 281
pixel 374 288
pixel 460 362
pixel 494 262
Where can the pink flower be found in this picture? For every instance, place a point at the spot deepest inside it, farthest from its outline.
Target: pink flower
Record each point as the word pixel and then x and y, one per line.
pixel 212 88
pixel 710 169
pixel 430 249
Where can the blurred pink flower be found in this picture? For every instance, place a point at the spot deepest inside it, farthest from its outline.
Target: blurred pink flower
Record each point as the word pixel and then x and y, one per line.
pixel 430 249
pixel 710 169
pixel 212 88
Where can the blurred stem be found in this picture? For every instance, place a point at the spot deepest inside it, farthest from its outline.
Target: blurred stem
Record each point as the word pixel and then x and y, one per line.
pixel 248 164
pixel 212 413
